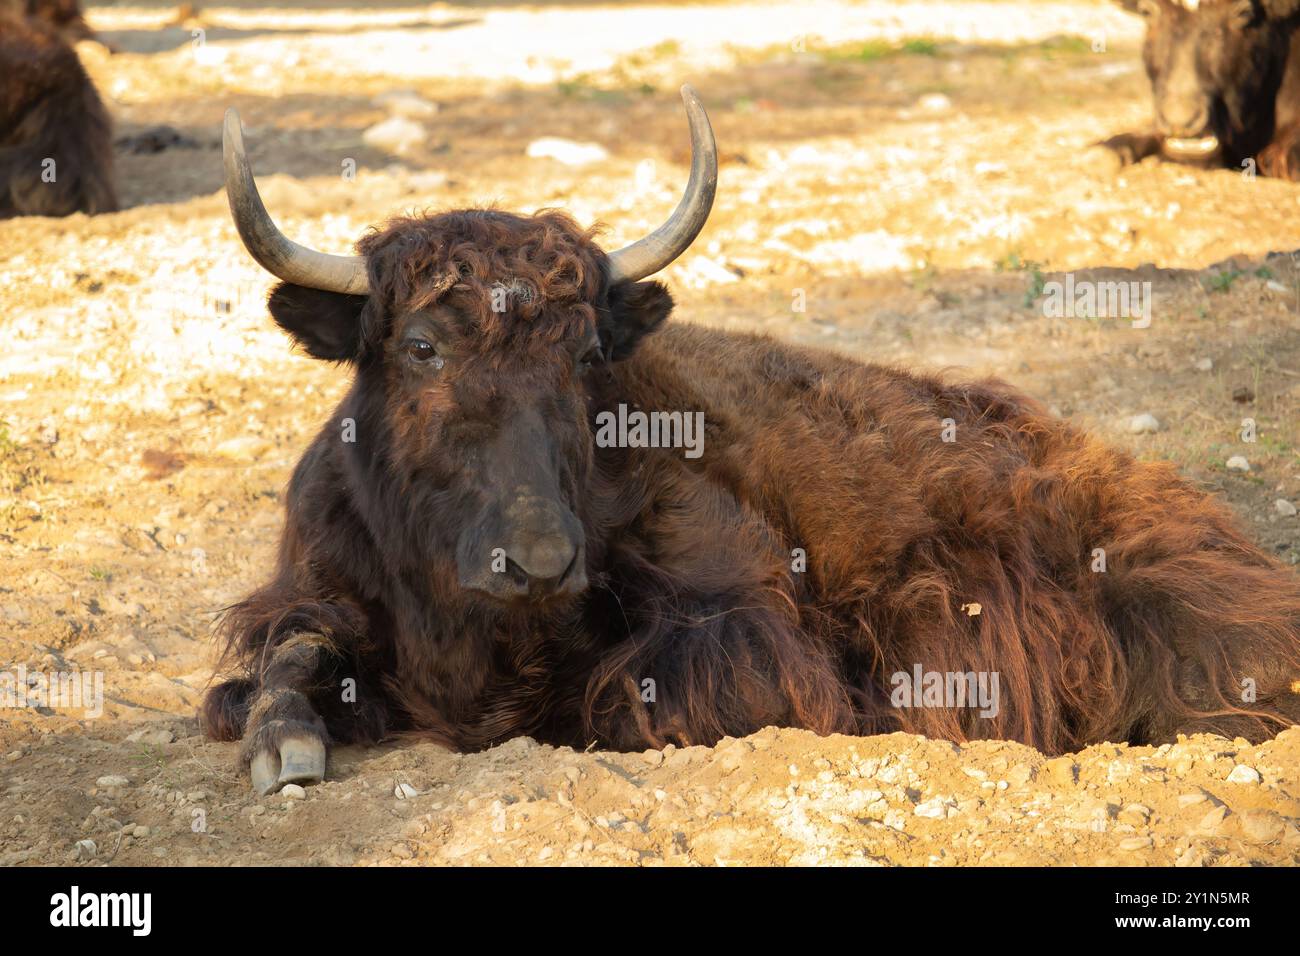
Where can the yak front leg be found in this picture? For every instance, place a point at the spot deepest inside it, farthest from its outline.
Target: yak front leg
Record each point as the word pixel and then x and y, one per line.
pixel 1132 148
pixel 285 740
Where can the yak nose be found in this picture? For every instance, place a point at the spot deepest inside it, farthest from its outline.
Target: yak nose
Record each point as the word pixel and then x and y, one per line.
pixel 1184 119
pixel 542 558
pixel 537 553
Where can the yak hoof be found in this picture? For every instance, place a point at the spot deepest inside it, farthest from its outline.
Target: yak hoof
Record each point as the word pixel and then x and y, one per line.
pixel 299 760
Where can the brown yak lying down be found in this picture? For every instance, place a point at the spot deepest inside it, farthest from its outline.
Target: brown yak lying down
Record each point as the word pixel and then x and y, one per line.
pixel 1225 80
pixel 56 154
pixel 484 541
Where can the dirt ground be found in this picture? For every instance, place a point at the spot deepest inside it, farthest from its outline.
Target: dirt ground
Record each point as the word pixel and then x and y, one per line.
pixel 913 171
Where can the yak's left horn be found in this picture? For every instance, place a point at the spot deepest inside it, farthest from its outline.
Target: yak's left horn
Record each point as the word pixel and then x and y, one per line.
pixel 274 251
pixel 647 256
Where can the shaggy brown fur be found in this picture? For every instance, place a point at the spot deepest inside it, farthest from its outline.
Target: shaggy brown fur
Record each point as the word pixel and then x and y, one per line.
pixel 65 16
pixel 1228 69
pixel 689 561
pixel 49 111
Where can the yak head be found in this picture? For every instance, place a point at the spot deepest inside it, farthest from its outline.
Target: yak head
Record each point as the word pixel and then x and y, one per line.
pixel 1215 68
pixel 476 336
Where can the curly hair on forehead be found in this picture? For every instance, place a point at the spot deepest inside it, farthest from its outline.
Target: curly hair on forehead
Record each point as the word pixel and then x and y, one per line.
pixel 541 274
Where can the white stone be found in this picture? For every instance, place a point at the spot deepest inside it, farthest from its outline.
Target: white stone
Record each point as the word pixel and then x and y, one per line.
pixel 1144 424
pixel 397 135
pixel 567 151
pixel 934 103
pixel 1238 463
pixel 931 808
pixel 1243 774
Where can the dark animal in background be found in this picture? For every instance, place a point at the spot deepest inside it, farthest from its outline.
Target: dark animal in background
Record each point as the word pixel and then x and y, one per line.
pixel 65 16
pixel 464 560
pixel 56 154
pixel 1225 78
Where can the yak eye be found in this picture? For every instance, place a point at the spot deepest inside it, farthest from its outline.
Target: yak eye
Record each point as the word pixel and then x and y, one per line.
pixel 423 353
pixel 589 358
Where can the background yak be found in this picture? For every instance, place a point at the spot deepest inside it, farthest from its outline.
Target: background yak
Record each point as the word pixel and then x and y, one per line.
pixel 1225 78
pixel 463 561
pixel 56 154
pixel 65 16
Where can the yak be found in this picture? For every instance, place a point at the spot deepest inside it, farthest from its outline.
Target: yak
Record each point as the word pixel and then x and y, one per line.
pixel 56 153
pixel 65 16
pixel 487 540
pixel 1225 79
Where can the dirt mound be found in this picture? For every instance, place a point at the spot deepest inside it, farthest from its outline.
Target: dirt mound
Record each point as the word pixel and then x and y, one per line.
pixel 777 797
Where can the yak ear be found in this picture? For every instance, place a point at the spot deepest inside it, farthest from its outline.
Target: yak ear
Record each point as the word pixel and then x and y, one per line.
pixel 636 309
pixel 326 324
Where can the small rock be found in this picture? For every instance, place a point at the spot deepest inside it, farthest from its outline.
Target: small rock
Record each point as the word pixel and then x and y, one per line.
pixel 1238 463
pixel 402 851
pixel 291 791
pixel 140 832
pixel 1134 815
pixel 398 135
pixel 1261 827
pixel 1243 774
pixel 1243 395
pixel 934 103
pixel 1135 843
pixel 243 447
pixel 404 791
pixel 1211 822
pixel 1060 771
pixel 1284 508
pixel 113 780
pixel 931 808
pixel 1203 364
pixel 427 180
pixel 1144 424
pixel 1190 799
pixel 567 151
pixel 85 849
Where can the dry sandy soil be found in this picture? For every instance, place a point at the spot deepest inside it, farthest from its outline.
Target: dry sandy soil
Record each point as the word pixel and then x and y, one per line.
pixel 914 170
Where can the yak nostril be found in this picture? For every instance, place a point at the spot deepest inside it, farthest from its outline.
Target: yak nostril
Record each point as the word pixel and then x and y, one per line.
pixel 518 576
